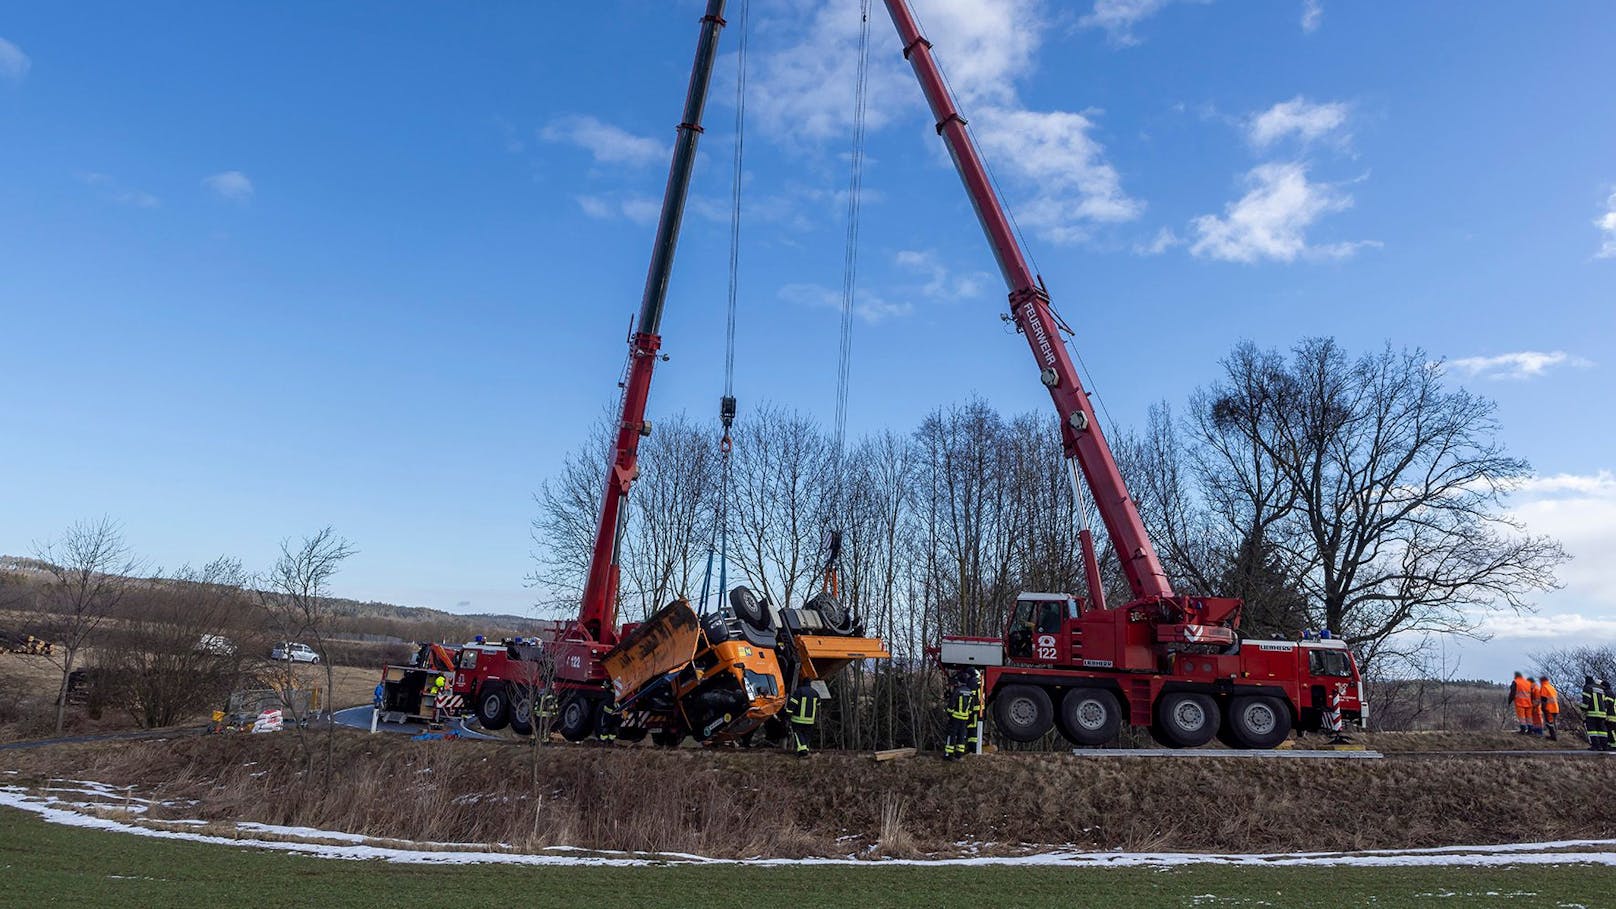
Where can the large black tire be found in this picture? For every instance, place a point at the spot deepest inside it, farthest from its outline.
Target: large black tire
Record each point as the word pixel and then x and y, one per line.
pixel 522 713
pixel 1023 713
pixel 1257 722
pixel 838 618
pixel 1089 717
pixel 579 714
pixel 1185 719
pixel 748 608
pixel 493 708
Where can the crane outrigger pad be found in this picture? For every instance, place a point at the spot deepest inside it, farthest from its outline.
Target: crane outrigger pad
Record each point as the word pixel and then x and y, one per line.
pixel 664 642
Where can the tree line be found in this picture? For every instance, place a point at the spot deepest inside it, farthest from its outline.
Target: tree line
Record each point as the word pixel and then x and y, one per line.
pixel 1357 492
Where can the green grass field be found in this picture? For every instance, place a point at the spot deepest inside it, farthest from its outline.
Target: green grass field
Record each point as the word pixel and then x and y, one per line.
pixel 46 864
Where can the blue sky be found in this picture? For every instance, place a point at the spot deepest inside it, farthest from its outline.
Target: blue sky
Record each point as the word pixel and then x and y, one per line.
pixel 268 268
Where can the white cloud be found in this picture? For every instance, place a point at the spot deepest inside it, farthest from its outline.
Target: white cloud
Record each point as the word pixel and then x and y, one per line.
pixel 608 144
pixel 1525 364
pixel 1118 17
pixel 1309 122
pixel 1579 510
pixel 1164 240
pixel 1272 219
pixel 870 307
pixel 14 64
pixel 635 208
pixel 804 98
pixel 1312 15
pixel 941 283
pixel 1607 225
pixel 113 191
pixel 1077 187
pixel 1548 626
pixel 230 185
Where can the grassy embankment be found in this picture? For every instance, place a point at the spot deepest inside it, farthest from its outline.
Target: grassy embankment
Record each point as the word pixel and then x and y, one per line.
pixel 45 865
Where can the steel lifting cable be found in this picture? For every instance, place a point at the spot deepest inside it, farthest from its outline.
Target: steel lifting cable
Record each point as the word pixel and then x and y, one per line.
pixel 726 405
pixel 855 186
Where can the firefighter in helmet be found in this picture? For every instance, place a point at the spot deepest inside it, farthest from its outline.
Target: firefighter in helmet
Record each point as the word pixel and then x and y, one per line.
pixel 973 723
pixel 802 709
pixel 1594 712
pixel 611 720
pixel 961 691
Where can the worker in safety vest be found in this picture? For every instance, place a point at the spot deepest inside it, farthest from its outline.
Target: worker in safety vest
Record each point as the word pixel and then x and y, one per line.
pixel 802 709
pixel 1520 695
pixel 973 724
pixel 1535 719
pixel 1549 702
pixel 1594 713
pixel 611 720
pixel 961 690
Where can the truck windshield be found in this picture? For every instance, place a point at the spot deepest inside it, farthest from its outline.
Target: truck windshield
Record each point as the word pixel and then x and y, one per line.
pixel 1332 663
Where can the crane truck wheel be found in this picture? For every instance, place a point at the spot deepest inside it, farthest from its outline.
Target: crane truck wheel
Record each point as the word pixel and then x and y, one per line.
pixel 1023 713
pixel 748 608
pixel 1089 716
pixel 1185 719
pixel 577 719
pixel 522 714
pixel 493 708
pixel 838 618
pixel 1257 722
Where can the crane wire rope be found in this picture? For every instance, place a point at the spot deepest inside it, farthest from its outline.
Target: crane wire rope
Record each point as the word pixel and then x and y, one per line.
pixel 726 405
pixel 855 186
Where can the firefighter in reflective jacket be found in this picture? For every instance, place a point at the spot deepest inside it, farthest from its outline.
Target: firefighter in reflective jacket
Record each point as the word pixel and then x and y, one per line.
pixel 611 720
pixel 961 690
pixel 1549 698
pixel 1595 710
pixel 973 724
pixel 434 689
pixel 803 711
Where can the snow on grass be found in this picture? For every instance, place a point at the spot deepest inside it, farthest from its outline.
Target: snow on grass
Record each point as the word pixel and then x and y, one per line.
pixel 340 845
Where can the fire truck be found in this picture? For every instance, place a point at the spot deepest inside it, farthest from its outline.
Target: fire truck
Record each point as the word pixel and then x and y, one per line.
pixel 1172 662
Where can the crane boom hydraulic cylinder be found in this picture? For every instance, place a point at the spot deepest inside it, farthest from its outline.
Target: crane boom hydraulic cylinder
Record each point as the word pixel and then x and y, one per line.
pixel 597 615
pixel 1029 306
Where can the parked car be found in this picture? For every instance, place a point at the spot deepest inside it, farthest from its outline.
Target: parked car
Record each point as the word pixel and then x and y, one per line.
pixel 216 644
pixel 293 652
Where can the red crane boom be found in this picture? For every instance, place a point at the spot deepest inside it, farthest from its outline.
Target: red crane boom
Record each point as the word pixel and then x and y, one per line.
pixel 1029 306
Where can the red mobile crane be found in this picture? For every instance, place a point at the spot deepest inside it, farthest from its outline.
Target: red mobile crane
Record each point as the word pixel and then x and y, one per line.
pixel 1172 662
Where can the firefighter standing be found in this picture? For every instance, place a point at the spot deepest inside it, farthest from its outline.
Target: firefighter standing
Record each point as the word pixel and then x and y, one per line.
pixel 1520 694
pixel 803 711
pixel 973 723
pixel 1549 699
pixel 960 694
pixel 1594 711
pixel 611 720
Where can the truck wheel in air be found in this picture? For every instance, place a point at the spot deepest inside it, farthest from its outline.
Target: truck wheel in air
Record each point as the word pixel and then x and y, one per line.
pixel 522 714
pixel 748 608
pixel 838 618
pixel 1089 716
pixel 1257 722
pixel 493 708
pixel 1185 719
pixel 577 719
pixel 1023 713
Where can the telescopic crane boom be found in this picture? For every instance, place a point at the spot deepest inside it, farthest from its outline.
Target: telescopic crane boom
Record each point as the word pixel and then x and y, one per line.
pixel 1029 307
pixel 597 615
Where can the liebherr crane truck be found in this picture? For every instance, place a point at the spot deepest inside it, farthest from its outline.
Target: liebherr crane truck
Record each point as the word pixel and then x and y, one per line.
pixel 1171 662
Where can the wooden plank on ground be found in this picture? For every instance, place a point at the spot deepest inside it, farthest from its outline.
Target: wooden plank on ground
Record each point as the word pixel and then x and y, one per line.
pixel 893 754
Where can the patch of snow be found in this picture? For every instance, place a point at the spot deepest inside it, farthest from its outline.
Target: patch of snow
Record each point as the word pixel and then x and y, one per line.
pixel 53 811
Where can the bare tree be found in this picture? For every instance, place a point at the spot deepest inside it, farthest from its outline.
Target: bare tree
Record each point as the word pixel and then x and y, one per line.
pixel 782 498
pixel 295 594
pixel 1382 489
pixel 172 656
pixel 91 572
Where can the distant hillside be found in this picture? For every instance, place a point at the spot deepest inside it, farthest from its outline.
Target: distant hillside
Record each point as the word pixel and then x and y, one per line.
pixel 362 620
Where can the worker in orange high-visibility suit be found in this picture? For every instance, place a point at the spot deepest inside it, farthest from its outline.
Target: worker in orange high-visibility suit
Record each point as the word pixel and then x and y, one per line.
pixel 1549 699
pixel 1535 719
pixel 1520 694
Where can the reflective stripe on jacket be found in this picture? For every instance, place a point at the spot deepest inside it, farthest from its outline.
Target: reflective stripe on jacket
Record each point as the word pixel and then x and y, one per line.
pixel 804 709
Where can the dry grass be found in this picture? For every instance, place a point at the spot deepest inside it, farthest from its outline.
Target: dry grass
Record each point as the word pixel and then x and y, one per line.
pixel 739 804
